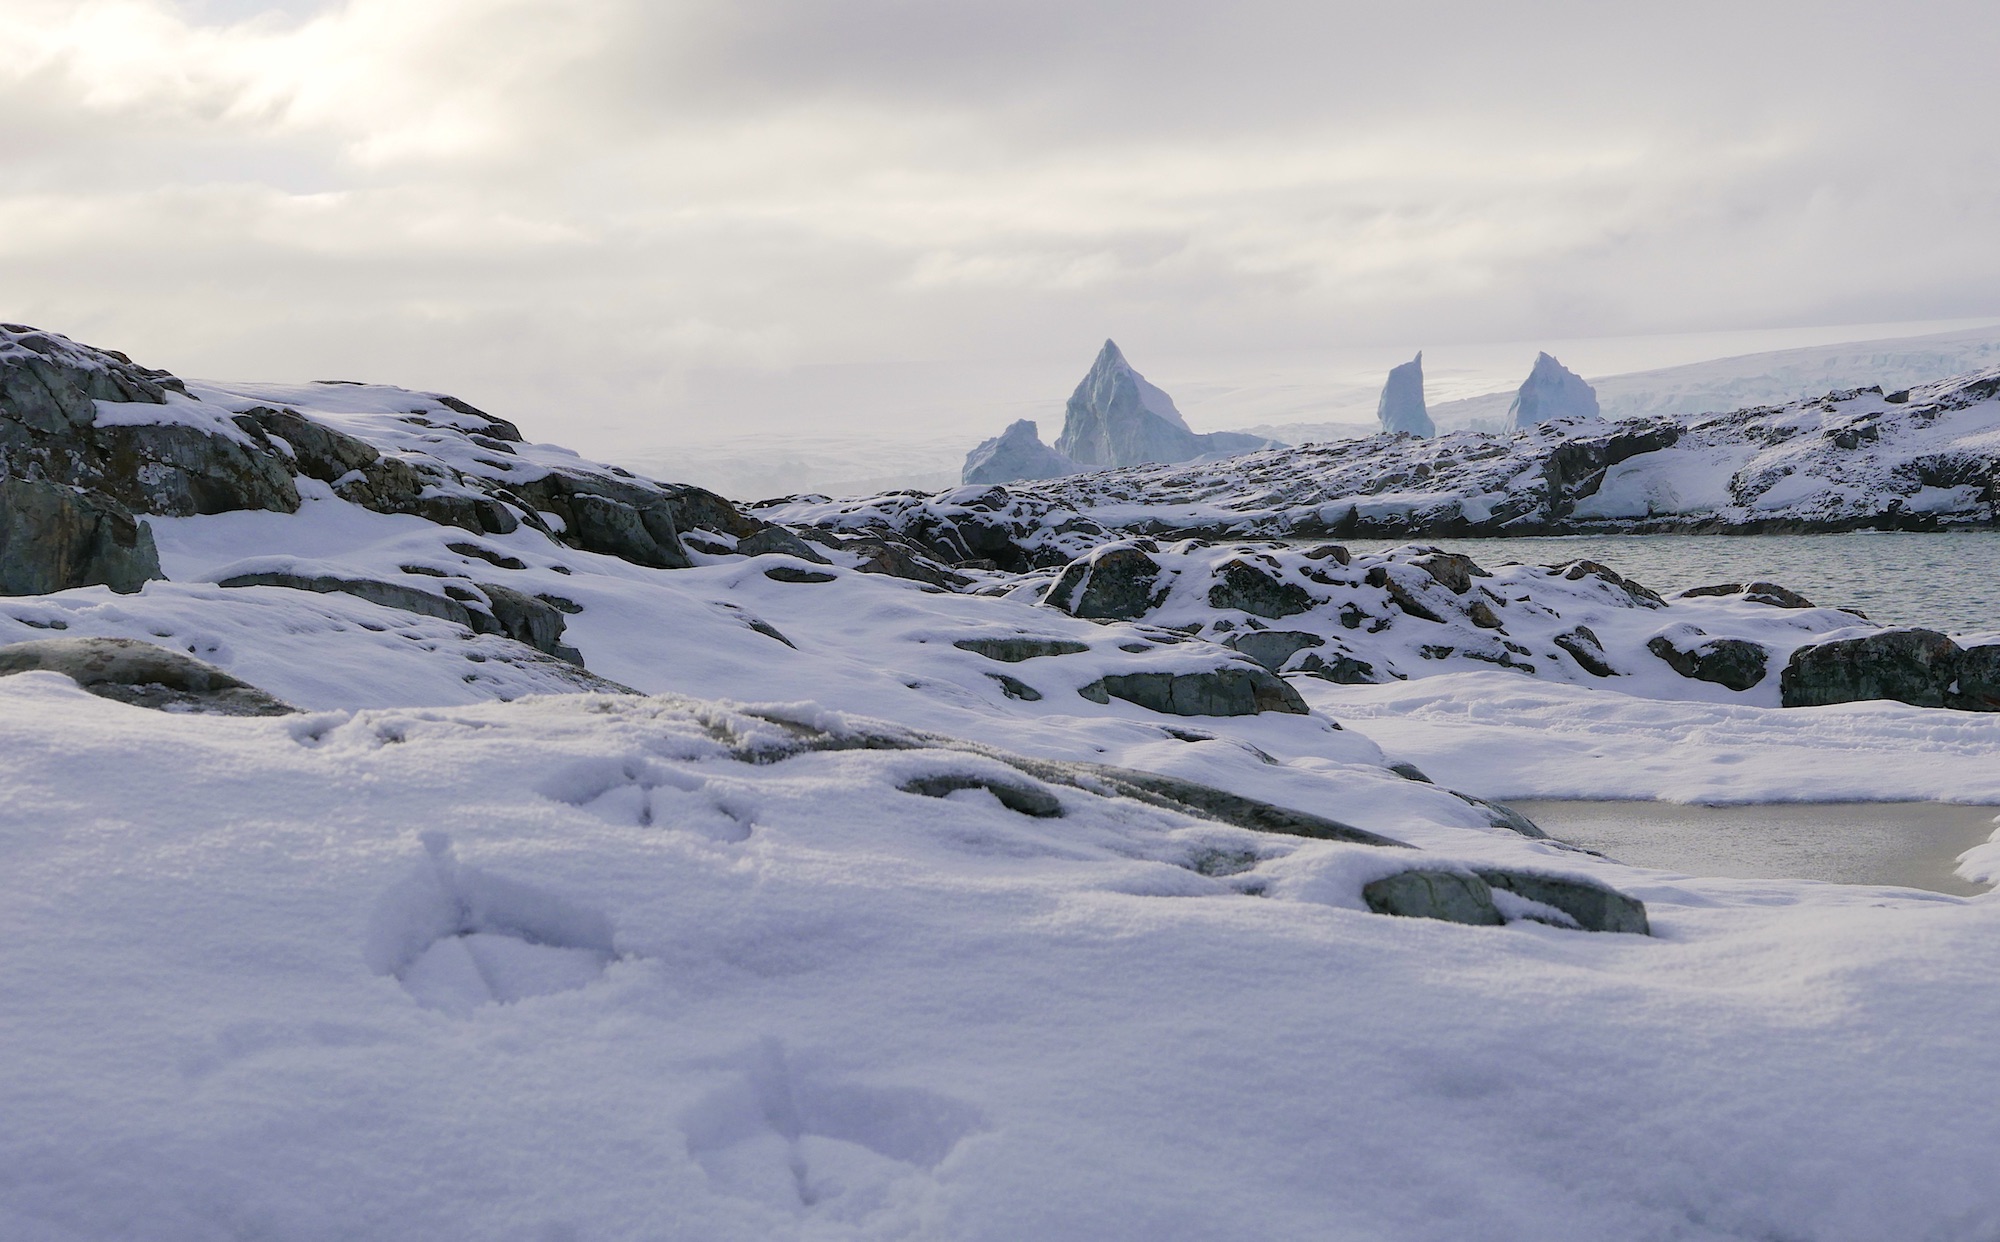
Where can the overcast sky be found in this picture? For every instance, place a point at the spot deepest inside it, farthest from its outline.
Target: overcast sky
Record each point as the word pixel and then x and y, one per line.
pixel 560 208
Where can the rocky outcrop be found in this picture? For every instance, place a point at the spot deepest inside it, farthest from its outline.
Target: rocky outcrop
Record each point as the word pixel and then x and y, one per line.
pixel 54 537
pixel 1014 650
pixel 1230 691
pixel 1401 410
pixel 1115 583
pixel 1915 666
pixel 143 675
pixel 1734 663
pixel 1016 453
pixel 483 608
pixel 1551 391
pixel 1427 893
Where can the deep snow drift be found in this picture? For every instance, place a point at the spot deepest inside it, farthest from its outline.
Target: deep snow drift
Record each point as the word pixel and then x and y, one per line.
pixel 920 895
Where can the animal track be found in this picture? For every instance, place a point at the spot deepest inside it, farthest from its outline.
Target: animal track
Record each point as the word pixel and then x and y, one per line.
pixel 457 937
pixel 645 793
pixel 796 1141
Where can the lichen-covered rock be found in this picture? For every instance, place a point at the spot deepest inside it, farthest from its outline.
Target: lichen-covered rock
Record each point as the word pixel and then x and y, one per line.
pixel 1915 666
pixel 1248 587
pixel 1978 679
pixel 1116 583
pixel 1235 690
pixel 53 538
pixel 142 674
pixel 1014 649
pixel 1593 906
pixel 1734 663
pixel 1424 893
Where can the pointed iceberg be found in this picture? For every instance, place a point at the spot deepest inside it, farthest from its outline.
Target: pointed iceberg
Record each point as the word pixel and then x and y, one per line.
pixel 1552 390
pixel 1014 455
pixel 1402 407
pixel 1116 418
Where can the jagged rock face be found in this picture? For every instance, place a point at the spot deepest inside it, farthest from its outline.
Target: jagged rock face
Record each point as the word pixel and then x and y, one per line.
pixel 1551 391
pixel 53 538
pixel 1116 418
pixel 1015 454
pixel 187 460
pixel 143 675
pixel 1401 409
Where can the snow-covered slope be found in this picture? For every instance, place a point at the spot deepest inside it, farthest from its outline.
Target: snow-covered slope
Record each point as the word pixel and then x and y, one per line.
pixel 645 867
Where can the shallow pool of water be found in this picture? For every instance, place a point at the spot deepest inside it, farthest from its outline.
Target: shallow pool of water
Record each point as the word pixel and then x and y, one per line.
pixel 1949 582
pixel 1914 844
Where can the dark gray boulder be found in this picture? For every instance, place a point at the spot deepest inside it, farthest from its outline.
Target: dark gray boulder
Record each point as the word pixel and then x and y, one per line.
pixel 1914 666
pixel 1271 648
pixel 792 573
pixel 1023 647
pixel 526 619
pixel 1756 592
pixel 777 540
pixel 1113 584
pixel 1587 650
pixel 53 538
pixel 1422 893
pixel 1735 663
pixel 388 594
pixel 1593 906
pixel 1234 690
pixel 1015 796
pixel 1978 679
pixel 143 675
pixel 1251 588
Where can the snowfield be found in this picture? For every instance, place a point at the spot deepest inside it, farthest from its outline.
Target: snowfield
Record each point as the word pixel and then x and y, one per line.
pixel 638 867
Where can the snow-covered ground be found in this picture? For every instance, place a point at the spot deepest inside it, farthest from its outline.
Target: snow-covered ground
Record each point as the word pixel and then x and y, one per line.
pixel 826 934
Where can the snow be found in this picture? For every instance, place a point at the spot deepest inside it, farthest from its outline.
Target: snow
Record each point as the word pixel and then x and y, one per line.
pixel 478 946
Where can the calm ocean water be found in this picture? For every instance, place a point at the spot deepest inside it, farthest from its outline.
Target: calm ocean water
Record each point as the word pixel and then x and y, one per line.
pixel 1947 582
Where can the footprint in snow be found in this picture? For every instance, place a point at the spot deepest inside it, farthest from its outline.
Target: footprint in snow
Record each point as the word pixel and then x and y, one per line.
pixel 645 794
pixel 804 1143
pixel 457 937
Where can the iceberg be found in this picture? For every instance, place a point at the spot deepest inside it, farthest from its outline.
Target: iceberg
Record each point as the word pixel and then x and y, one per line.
pixel 1117 418
pixel 1551 391
pixel 1014 455
pixel 1402 407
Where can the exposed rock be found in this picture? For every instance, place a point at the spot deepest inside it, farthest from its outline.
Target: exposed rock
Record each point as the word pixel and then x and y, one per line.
pixel 1500 815
pixel 791 573
pixel 892 558
pixel 1756 592
pixel 1271 648
pixel 1978 679
pixel 1025 647
pixel 1401 409
pixel 1233 690
pixel 1252 589
pixel 1027 799
pixel 1341 668
pixel 1421 893
pixel 1915 666
pixel 1015 688
pixel 53 538
pixel 779 541
pixel 1593 906
pixel 388 594
pixel 1735 663
pixel 526 619
pixel 1015 454
pixel 1114 583
pixel 1587 650
pixel 1452 570
pixel 1551 391
pixel 143 675
pixel 1578 571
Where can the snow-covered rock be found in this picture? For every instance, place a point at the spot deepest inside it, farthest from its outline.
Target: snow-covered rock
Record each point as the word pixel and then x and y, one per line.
pixel 1401 410
pixel 1014 455
pixel 1551 391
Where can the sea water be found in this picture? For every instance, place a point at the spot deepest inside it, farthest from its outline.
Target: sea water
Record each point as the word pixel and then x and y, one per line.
pixel 1948 582
pixel 1913 844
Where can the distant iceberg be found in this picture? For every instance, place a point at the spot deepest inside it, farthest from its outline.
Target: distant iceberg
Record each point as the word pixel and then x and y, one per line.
pixel 1116 417
pixel 1016 454
pixel 1551 391
pixel 1402 406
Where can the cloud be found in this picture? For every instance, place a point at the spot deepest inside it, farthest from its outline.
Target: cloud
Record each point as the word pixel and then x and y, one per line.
pixel 562 207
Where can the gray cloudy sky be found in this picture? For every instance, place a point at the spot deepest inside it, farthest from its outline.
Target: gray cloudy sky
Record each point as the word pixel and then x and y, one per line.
pixel 563 208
